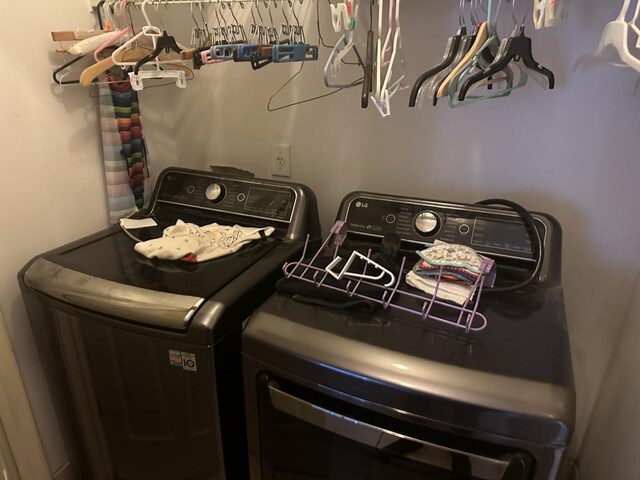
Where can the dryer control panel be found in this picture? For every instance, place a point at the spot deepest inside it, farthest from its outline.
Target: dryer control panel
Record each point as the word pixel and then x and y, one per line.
pixel 247 197
pixel 489 230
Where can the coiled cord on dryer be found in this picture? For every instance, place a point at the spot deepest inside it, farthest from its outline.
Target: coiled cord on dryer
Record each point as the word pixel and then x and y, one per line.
pixel 537 245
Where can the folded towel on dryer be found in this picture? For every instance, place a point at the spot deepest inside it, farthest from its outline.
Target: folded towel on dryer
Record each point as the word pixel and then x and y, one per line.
pixel 191 243
pixel 451 272
pixel 453 292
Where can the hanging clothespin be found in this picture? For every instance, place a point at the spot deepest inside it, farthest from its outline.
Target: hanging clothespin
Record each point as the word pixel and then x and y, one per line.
pixel 243 52
pixel 296 52
pixel 222 52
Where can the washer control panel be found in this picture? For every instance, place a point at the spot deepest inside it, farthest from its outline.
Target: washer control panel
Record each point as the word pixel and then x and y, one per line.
pixel 253 198
pixel 488 230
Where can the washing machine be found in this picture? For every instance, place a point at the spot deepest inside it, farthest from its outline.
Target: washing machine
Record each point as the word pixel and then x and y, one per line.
pixel 354 384
pixel 143 355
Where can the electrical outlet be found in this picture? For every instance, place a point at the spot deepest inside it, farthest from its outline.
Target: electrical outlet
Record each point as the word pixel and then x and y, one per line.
pixel 281 160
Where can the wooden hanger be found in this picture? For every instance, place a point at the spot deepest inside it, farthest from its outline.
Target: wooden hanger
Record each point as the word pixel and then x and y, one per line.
pixel 481 38
pixel 92 72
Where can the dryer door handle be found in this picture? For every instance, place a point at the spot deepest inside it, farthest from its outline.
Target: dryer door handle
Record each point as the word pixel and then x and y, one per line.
pixel 438 456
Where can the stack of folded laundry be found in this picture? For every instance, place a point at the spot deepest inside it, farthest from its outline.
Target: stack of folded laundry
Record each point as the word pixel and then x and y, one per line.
pixel 451 272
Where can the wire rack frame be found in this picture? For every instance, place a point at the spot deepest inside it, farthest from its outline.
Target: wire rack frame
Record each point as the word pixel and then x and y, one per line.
pixel 468 317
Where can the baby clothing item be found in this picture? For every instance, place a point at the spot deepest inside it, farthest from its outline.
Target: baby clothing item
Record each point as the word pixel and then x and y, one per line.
pixel 191 243
pixel 452 255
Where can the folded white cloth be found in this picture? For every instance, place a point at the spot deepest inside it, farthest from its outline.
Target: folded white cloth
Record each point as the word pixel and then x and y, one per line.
pixel 451 291
pixel 192 243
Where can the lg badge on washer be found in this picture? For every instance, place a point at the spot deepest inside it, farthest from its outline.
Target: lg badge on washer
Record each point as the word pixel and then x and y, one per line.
pixel 183 359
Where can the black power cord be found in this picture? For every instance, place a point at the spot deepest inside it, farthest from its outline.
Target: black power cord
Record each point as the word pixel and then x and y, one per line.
pixel 538 247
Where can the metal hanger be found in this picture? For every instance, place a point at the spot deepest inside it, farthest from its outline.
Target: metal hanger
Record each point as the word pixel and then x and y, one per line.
pixel 294 48
pixel 298 29
pixel 197 38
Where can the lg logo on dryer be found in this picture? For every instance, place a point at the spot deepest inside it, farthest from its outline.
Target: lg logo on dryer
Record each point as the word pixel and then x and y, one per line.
pixel 183 359
pixel 360 204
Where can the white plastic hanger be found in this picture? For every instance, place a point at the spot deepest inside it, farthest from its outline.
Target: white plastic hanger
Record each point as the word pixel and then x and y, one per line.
pixel 349 15
pixel 386 47
pixel 384 92
pixel 147 30
pixel 343 19
pixel 615 36
pixel 119 34
pixel 179 76
pixel 634 24
pixel 539 10
pixel 346 273
pixel 556 12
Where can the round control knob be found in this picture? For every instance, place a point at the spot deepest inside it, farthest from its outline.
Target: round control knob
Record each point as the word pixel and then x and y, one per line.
pixel 426 222
pixel 214 192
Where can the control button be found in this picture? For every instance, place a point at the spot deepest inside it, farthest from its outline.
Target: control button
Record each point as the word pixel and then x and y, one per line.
pixel 191 189
pixel 214 192
pixel 426 223
pixel 241 197
pixel 464 229
pixel 390 218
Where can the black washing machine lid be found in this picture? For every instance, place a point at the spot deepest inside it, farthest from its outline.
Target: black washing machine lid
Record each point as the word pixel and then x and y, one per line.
pixel 104 273
pixel 112 257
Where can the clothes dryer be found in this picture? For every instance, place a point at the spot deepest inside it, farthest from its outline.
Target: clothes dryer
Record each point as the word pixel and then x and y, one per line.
pixel 387 394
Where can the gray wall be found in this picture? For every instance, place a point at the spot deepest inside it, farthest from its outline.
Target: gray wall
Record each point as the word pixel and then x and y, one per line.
pixel 612 441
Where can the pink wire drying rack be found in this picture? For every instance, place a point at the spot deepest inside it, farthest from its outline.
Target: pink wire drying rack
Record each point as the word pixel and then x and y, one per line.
pixel 464 316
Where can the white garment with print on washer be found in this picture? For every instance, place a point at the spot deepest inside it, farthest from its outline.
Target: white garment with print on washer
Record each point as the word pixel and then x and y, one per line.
pixel 192 243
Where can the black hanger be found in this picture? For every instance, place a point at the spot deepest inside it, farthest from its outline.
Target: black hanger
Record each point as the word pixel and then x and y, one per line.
pixel 99 13
pixel 518 47
pixel 61 68
pixel 64 67
pixel 367 83
pixel 486 55
pixel 166 43
pixel 197 59
pixel 452 49
pixel 262 57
